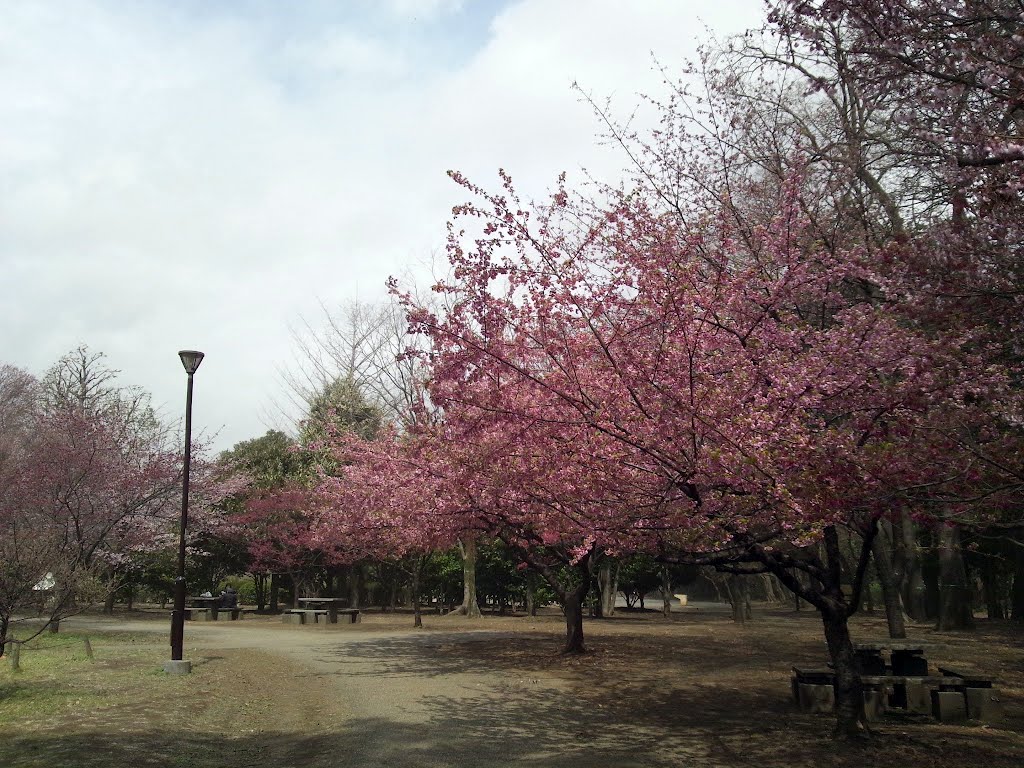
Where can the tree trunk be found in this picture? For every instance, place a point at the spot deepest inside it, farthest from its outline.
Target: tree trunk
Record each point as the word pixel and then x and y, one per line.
pixel 130 597
pixel 914 597
pixel 417 566
pixel 768 583
pixel 108 602
pixel 849 699
pixel 273 593
pixel 531 598
pixel 1017 595
pixel 825 592
pixel 354 574
pixel 259 581
pixel 739 598
pixel 393 596
pixel 4 625
pixel 990 585
pixel 666 592
pixel 573 604
pixel 955 593
pixel 470 607
pixel 890 592
pixel 607 575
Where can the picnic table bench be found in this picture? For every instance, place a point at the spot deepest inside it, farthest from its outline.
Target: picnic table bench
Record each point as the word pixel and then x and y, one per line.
pixel 319 615
pixel 304 616
pixel 904 687
pixel 208 609
pixel 905 658
pixel 980 698
pixel 195 613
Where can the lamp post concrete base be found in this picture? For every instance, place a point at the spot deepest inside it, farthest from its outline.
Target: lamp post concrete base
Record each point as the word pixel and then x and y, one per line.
pixel 178 667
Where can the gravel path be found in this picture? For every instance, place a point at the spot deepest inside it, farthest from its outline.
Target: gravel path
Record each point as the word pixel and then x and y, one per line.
pixel 424 699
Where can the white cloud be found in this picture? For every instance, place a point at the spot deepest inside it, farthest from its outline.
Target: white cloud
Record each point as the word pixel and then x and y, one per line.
pixel 341 53
pixel 421 9
pixel 174 181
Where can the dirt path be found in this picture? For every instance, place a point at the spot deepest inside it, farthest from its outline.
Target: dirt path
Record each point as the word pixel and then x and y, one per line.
pixel 433 699
pixel 695 691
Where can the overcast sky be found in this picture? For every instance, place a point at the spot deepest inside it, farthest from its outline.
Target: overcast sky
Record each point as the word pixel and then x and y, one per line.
pixel 196 174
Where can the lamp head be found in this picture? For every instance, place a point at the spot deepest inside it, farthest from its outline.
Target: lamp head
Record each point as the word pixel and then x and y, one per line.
pixel 191 360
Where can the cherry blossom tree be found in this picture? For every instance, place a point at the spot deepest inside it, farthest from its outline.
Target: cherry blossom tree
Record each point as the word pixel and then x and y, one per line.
pixel 80 492
pixel 943 81
pixel 388 501
pixel 671 386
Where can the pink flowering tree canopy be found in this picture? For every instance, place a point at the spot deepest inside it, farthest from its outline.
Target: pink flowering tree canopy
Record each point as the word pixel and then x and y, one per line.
pixel 638 383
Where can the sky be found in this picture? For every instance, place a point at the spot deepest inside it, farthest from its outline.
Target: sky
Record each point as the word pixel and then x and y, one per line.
pixel 187 174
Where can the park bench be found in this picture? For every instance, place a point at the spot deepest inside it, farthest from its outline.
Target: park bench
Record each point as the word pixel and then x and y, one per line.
pixel 814 688
pixel 352 613
pixel 231 614
pixel 814 691
pixel 977 696
pixel 304 615
pixel 318 615
pixel 197 613
pixel 904 687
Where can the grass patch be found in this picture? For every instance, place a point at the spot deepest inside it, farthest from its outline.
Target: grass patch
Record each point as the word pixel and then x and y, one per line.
pixel 63 710
pixel 57 679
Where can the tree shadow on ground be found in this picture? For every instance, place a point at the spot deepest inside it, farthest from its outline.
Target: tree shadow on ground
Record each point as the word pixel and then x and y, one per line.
pixel 540 728
pixel 709 698
pixel 717 700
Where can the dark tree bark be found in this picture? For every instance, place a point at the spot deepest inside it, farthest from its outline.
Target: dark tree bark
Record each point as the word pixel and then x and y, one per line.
pixel 913 588
pixel 768 583
pixel 990 585
pixel 354 582
pixel 259 581
pixel 955 593
pixel 417 568
pixel 739 597
pixel 572 596
pixel 1017 593
pixel 824 590
pixel 890 592
pixel 666 592
pixel 393 596
pixel 573 603
pixel 849 697
pixel 273 593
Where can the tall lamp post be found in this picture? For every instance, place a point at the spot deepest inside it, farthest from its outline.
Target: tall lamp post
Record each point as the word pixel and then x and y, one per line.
pixel 191 360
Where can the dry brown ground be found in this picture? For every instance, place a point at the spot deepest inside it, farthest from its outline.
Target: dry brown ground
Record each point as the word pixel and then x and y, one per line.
pixel 694 691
